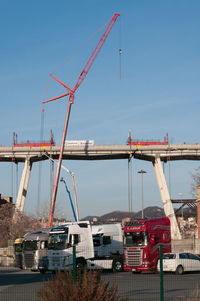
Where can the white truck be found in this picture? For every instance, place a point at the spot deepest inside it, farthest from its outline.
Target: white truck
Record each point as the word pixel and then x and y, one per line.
pixel 34 248
pixel 108 245
pixel 93 246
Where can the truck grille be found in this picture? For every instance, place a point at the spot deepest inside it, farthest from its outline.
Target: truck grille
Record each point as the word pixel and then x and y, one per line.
pixel 29 260
pixel 18 260
pixel 133 256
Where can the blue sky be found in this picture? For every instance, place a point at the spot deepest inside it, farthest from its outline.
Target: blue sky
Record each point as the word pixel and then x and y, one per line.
pixel 158 92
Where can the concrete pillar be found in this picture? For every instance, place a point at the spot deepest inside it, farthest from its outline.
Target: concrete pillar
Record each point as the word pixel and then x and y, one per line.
pixel 167 204
pixel 21 196
pixel 198 210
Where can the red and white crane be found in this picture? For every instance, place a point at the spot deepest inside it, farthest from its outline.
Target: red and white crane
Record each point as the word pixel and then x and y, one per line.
pixel 71 94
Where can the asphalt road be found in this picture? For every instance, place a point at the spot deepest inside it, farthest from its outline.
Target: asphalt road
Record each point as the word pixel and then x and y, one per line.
pixel 17 285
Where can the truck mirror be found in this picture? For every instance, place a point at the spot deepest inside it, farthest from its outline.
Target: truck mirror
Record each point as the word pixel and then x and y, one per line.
pixel 74 239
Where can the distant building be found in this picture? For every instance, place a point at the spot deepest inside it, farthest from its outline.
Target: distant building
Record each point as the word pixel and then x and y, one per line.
pixel 95 220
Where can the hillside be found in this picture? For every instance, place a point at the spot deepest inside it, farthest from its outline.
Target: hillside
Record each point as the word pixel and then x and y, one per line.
pixel 149 212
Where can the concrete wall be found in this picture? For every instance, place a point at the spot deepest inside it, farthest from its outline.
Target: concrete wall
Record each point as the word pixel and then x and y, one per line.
pixel 191 245
pixel 6 256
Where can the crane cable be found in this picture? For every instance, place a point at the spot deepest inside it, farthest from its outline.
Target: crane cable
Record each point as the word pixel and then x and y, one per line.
pixel 69 58
pixel 40 163
pixel 83 45
pixel 41 139
pixel 120 51
pixel 130 185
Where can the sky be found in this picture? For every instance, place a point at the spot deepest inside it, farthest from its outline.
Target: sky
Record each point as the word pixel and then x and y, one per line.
pixel 158 93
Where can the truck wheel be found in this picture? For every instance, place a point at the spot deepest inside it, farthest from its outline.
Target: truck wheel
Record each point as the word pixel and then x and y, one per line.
pixel 179 270
pixel 80 264
pixel 136 272
pixel 117 265
pixel 42 271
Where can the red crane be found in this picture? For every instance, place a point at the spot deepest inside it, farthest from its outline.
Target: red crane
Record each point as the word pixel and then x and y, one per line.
pixel 71 94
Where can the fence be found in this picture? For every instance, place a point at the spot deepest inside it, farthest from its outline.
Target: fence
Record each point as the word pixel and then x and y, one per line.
pixel 16 284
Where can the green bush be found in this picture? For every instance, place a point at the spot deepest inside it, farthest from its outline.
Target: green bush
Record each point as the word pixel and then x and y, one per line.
pixel 88 287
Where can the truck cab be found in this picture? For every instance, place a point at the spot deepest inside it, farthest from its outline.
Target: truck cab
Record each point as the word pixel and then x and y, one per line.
pixel 18 262
pixel 61 242
pixel 34 248
pixel 142 240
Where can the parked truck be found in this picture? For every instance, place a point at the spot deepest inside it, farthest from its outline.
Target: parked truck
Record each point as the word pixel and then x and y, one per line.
pixel 34 248
pixel 108 244
pixel 91 244
pixel 142 240
pixel 18 262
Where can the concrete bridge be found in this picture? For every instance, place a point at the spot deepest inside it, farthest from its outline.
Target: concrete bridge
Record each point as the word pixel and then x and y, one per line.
pixel 154 153
pixel 106 152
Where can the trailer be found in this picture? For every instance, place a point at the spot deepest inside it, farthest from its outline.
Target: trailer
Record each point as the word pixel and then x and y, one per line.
pixel 108 244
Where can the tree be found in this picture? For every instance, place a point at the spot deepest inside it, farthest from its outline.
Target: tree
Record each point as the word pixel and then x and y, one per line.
pixel 195 181
pixel 10 228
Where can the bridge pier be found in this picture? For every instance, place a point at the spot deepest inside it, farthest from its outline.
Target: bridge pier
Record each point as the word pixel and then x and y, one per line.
pixel 23 188
pixel 164 193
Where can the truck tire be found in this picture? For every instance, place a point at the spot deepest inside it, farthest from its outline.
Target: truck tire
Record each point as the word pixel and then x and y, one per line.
pixel 117 265
pixel 179 270
pixel 81 264
pixel 42 271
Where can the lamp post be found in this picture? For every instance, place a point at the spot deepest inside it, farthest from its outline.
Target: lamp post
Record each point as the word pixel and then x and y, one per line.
pixel 142 190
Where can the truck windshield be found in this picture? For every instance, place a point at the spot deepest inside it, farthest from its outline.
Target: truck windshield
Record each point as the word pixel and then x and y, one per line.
pixel 18 247
pixel 57 241
pixel 136 238
pixel 30 245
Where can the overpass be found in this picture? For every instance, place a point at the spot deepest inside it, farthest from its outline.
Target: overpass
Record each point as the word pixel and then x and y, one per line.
pixel 153 153
pixel 106 152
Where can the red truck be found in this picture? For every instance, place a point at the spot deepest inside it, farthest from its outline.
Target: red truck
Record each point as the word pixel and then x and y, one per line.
pixel 141 242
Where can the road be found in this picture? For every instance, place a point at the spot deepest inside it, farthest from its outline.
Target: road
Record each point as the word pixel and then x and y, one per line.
pixel 20 285
pixel 146 287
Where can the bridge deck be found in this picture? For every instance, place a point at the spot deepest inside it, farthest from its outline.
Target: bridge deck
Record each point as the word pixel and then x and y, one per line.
pixel 103 152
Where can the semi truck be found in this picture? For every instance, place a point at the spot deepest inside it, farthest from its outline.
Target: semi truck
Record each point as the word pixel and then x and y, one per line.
pixel 91 243
pixel 34 248
pixel 18 262
pixel 142 240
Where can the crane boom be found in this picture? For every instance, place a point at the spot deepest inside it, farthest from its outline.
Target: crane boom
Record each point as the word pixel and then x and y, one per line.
pixel 71 93
pixel 70 198
pixel 73 181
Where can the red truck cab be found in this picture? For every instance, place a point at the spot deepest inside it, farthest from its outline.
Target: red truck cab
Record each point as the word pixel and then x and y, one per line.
pixel 141 243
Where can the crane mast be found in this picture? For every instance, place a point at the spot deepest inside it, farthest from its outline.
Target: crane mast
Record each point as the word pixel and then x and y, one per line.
pixel 71 95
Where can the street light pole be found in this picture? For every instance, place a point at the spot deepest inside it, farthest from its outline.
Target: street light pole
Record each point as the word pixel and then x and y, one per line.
pixel 142 190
